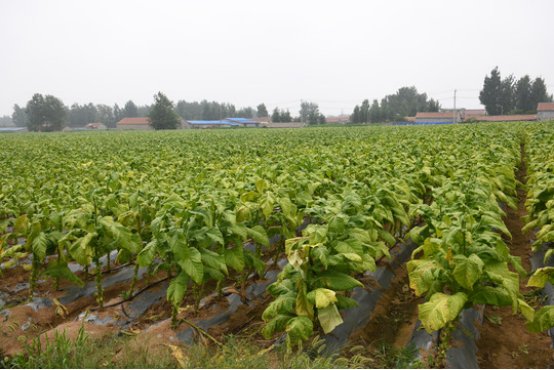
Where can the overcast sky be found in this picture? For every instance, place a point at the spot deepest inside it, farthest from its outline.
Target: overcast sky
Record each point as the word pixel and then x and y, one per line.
pixel 336 53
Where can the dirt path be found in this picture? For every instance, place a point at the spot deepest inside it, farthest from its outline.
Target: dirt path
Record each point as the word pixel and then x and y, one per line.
pixel 393 320
pixel 507 343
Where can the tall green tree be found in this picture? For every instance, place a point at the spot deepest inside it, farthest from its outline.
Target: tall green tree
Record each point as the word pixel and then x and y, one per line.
pixel 364 111
pixel 433 106
pixel 523 95
pixel 19 116
pixel 489 95
pixel 130 110
pixel 246 112
pixel 506 98
pixel 143 110
pixel 262 111
pixel 375 112
pixel 285 116
pixel 276 115
pixel 118 113
pixel 322 120
pixel 539 94
pixel 6 121
pixel 355 116
pixel 162 116
pixel 307 110
pixel 105 115
pixel 45 113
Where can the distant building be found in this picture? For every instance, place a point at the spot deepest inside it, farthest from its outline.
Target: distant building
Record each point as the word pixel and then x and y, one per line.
pixel 96 126
pixel 5 130
pixel 261 119
pixel 134 123
pixel 545 111
pixel 466 113
pixel 337 120
pixel 438 117
pixel 143 123
pixel 285 124
pixel 510 118
pixel 244 122
pixel 211 124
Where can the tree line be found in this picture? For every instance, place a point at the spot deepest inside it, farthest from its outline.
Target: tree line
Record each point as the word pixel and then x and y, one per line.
pixel 509 95
pixel 48 113
pixel 405 102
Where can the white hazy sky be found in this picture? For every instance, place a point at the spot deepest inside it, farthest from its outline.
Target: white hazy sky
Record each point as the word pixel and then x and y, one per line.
pixel 244 52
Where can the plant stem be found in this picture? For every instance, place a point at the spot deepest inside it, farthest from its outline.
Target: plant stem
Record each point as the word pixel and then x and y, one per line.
pixel 135 279
pixel 33 278
pixel 99 289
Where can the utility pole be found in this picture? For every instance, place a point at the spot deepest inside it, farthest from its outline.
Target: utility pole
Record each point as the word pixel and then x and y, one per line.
pixel 454 116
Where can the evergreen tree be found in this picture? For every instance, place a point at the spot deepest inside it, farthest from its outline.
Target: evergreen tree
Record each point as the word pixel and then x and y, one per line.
pixel 19 117
pixel 355 117
pixel 539 94
pixel 523 95
pixel 117 113
pixel 262 111
pixel 130 109
pixel 285 116
pixel 490 94
pixel 364 112
pixel 506 98
pixel 375 112
pixel 276 116
pixel 162 116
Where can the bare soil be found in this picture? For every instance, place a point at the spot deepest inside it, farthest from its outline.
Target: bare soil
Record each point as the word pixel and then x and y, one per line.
pixel 393 319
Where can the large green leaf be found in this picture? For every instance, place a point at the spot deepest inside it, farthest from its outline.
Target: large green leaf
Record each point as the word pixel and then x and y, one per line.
pixel 440 310
pixel 81 250
pixel 299 329
pixel 329 318
pixel 214 235
pixel 526 310
pixel 277 324
pixel 496 296
pixel 62 271
pixel 421 274
pixel 213 259
pixel 193 265
pixel 283 304
pixel 124 237
pixel 146 256
pixel 345 302
pixel 259 235
pixel 322 297
pixel 252 260
pixel 39 245
pixel 234 257
pixel 543 320
pixel 337 281
pixel 303 306
pixel 541 276
pixel 468 270
pixel 177 288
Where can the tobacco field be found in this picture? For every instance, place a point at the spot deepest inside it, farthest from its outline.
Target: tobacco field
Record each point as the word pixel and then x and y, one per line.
pixel 280 233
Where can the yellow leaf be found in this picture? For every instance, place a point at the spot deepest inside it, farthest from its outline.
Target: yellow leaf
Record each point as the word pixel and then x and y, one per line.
pixel 178 354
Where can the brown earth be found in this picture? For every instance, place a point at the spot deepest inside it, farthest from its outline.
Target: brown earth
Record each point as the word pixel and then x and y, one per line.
pixel 510 345
pixel 393 319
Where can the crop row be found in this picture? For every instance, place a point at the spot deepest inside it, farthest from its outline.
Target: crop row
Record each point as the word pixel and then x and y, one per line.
pixel 540 211
pixel 186 203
